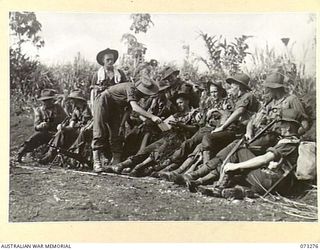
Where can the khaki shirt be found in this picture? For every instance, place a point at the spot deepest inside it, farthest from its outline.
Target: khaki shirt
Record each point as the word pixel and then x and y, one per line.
pixel 274 109
pixel 54 116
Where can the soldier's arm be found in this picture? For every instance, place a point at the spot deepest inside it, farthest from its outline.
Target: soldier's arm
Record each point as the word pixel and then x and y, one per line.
pixel 255 162
pixel 189 128
pixel 249 130
pixel 39 124
pixel 136 108
pixel 233 117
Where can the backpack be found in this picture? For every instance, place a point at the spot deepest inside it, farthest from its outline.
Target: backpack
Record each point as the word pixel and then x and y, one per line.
pixel 306 163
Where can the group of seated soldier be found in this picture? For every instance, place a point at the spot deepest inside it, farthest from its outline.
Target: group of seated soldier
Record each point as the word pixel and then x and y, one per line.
pixel 164 127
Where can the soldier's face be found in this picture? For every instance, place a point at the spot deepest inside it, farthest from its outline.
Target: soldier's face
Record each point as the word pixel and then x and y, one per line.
pixel 284 128
pixel 214 92
pixel 182 104
pixel 108 60
pixel 234 89
pixel 271 93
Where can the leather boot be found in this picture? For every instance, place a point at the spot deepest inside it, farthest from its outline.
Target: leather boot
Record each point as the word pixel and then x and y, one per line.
pixel 97 164
pixel 209 178
pixel 206 180
pixel 122 165
pixel 139 169
pixel 21 153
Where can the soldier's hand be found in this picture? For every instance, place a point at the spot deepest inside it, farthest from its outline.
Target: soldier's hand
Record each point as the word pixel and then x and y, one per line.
pixel 59 127
pixel 177 124
pixel 248 136
pixel 156 119
pixel 43 125
pixel 229 167
pixel 218 129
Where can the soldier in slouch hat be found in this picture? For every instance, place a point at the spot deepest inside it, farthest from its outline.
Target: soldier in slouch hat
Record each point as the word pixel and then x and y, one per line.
pixel 46 119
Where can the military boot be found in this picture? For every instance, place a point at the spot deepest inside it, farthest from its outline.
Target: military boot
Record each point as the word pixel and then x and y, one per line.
pixel 206 180
pixel 97 164
pixel 121 166
pixel 22 151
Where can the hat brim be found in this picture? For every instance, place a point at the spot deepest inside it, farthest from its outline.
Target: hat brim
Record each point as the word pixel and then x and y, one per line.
pixel 101 54
pixel 46 98
pixel 233 80
pixel 272 85
pixel 290 120
pixel 175 72
pixel 148 91
pixel 164 88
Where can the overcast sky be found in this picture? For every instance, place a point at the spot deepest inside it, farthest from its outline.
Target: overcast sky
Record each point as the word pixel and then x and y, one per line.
pixel 65 33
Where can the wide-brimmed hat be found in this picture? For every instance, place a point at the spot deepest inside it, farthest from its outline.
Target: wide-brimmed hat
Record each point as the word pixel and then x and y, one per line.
pixel 291 115
pixel 101 54
pixel 47 94
pixel 147 86
pixel 274 81
pixel 241 79
pixel 219 86
pixel 168 71
pixel 77 94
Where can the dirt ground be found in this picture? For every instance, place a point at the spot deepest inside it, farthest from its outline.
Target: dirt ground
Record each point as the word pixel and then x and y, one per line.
pixel 39 193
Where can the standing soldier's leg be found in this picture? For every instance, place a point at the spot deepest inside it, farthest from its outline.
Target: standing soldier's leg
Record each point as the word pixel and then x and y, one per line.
pixel 116 140
pixel 100 129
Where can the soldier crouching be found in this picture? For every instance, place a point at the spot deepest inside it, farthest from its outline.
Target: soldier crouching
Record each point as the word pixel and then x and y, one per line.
pixel 47 118
pixel 69 131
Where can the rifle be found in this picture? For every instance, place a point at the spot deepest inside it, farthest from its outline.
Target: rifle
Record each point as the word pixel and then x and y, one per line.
pixel 262 131
pixel 72 155
pixel 65 121
pixel 233 150
pixel 238 144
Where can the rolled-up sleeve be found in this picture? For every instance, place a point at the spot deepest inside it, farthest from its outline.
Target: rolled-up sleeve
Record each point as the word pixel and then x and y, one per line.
pixel 282 150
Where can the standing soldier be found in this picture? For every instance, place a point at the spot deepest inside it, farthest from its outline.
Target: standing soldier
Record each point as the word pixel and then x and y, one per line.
pixel 108 75
pixel 47 117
